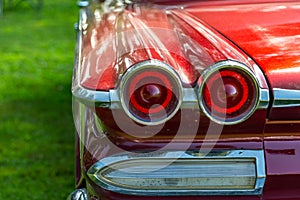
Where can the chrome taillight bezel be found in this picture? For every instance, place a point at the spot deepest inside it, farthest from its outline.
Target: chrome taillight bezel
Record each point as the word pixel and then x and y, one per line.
pixel 228 64
pixel 189 96
pixel 143 66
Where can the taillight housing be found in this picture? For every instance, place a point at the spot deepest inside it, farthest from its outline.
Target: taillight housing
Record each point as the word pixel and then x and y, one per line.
pixel 150 92
pixel 228 92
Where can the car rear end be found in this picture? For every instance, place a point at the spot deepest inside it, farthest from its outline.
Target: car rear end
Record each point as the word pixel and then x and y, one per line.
pixel 166 106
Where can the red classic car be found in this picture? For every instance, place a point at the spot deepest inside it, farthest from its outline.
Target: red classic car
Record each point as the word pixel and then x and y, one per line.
pixel 187 100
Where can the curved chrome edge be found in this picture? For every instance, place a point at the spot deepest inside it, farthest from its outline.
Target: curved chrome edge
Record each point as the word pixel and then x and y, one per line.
pixel 261 102
pixel 257 155
pixel 77 90
pixel 190 98
pixel 79 194
pixel 284 98
pixel 149 65
pixel 264 99
pixel 92 98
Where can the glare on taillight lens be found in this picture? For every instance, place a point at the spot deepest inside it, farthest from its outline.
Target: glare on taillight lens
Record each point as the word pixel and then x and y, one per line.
pixel 228 94
pixel 150 92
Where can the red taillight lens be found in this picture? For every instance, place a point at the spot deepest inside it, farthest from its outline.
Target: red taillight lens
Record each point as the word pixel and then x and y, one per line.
pixel 228 94
pixel 150 92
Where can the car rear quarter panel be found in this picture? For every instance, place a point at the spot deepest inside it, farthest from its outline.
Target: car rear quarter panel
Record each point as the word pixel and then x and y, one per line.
pixel 270 34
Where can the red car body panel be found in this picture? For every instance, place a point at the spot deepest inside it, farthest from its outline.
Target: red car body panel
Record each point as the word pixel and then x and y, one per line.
pixel 268 32
pixel 118 54
pixel 265 35
pixel 132 44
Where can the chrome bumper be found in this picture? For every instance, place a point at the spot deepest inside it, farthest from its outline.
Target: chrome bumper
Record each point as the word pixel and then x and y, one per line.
pixel 79 194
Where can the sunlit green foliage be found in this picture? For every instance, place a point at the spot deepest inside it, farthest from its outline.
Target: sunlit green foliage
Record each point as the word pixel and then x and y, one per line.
pixel 36 127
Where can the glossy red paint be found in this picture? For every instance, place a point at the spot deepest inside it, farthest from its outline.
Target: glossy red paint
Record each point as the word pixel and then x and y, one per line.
pixel 133 43
pixel 283 166
pixel 269 32
pixel 143 32
pixel 106 56
pixel 281 191
pixel 93 152
pixel 253 32
pixel 283 155
pixel 250 130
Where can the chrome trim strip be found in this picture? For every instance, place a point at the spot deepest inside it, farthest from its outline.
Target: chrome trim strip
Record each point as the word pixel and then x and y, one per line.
pixel 110 99
pixel 257 155
pixel 264 99
pixel 77 91
pixel 92 98
pixel 189 100
pixel 115 99
pixel 82 115
pixel 284 98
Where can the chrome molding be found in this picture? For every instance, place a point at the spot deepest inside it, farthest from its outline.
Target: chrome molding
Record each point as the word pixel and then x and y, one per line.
pixel 77 91
pixel 284 98
pixel 92 98
pixel 190 99
pixel 256 155
pixel 79 194
pixel 110 99
pixel 264 99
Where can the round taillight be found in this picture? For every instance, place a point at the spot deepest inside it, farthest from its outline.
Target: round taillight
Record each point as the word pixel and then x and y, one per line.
pixel 150 92
pixel 228 92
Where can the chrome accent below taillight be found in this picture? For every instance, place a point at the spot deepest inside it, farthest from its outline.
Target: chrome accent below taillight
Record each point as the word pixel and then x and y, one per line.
pixel 237 172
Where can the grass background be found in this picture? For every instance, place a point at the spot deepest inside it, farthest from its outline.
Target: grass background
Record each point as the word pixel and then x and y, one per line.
pixel 36 127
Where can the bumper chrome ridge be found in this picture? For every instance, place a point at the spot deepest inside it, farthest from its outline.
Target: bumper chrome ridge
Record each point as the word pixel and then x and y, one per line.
pixel 79 194
pixel 177 173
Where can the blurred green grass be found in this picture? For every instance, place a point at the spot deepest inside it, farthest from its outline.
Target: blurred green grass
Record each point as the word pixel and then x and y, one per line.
pixel 36 127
